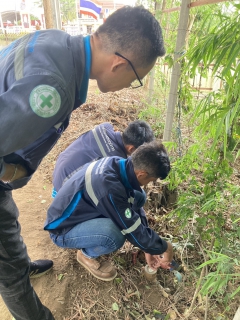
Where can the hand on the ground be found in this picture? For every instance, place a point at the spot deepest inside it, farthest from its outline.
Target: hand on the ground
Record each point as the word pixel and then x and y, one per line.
pixel 21 172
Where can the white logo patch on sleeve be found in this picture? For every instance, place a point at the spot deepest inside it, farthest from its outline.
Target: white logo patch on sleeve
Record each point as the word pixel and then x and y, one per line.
pixel 128 213
pixel 45 101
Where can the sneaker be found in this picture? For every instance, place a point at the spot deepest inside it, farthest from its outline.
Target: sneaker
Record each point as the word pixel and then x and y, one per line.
pixel 39 267
pixel 101 270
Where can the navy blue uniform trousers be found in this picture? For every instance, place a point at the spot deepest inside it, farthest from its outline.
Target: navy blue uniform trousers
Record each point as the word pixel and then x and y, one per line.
pixel 15 287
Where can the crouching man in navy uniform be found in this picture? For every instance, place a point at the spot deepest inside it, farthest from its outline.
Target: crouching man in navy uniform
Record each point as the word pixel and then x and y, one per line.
pixel 102 141
pixel 95 212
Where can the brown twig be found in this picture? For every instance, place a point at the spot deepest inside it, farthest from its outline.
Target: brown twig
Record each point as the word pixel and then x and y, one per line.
pixel 189 311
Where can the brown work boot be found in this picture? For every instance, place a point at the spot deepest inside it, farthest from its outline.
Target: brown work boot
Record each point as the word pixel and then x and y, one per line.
pixel 101 270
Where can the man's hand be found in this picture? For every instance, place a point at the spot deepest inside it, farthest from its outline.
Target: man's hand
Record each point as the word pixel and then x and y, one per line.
pixel 152 260
pixel 164 260
pixel 13 172
pixel 167 257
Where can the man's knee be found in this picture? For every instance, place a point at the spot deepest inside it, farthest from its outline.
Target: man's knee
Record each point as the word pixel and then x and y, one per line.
pixel 117 237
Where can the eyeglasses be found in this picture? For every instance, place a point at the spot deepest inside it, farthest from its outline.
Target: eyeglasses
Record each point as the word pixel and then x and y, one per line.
pixel 135 84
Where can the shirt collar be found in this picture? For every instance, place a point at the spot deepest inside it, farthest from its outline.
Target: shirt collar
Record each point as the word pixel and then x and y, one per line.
pixel 128 175
pixel 87 69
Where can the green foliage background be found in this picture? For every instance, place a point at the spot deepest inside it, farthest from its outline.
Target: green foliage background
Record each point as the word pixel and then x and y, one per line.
pixel 204 163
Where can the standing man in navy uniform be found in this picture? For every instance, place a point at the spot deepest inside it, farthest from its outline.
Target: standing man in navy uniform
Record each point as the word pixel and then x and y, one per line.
pixel 44 77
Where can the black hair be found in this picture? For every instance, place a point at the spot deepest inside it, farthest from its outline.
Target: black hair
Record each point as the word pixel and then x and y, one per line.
pixel 136 133
pixel 152 157
pixel 134 32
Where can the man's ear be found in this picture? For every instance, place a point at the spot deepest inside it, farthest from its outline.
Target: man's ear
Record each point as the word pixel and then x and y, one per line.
pixel 117 63
pixel 141 174
pixel 130 149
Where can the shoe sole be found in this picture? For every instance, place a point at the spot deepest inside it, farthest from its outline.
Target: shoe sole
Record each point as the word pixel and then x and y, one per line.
pixel 38 275
pixel 103 279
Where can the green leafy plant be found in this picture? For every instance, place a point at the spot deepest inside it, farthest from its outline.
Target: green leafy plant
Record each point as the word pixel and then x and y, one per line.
pixel 219 111
pixel 222 271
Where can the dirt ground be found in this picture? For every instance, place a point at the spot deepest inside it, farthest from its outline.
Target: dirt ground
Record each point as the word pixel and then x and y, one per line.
pixel 69 290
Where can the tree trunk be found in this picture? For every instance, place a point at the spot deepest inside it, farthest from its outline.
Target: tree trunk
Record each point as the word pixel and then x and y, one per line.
pixel 52 14
pixel 48 14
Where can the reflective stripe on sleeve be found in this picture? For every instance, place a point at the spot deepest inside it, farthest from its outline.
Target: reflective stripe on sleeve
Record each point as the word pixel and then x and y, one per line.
pixel 131 200
pixel 58 125
pixel 71 174
pixel 132 228
pixel 88 182
pixel 19 58
pixel 99 143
